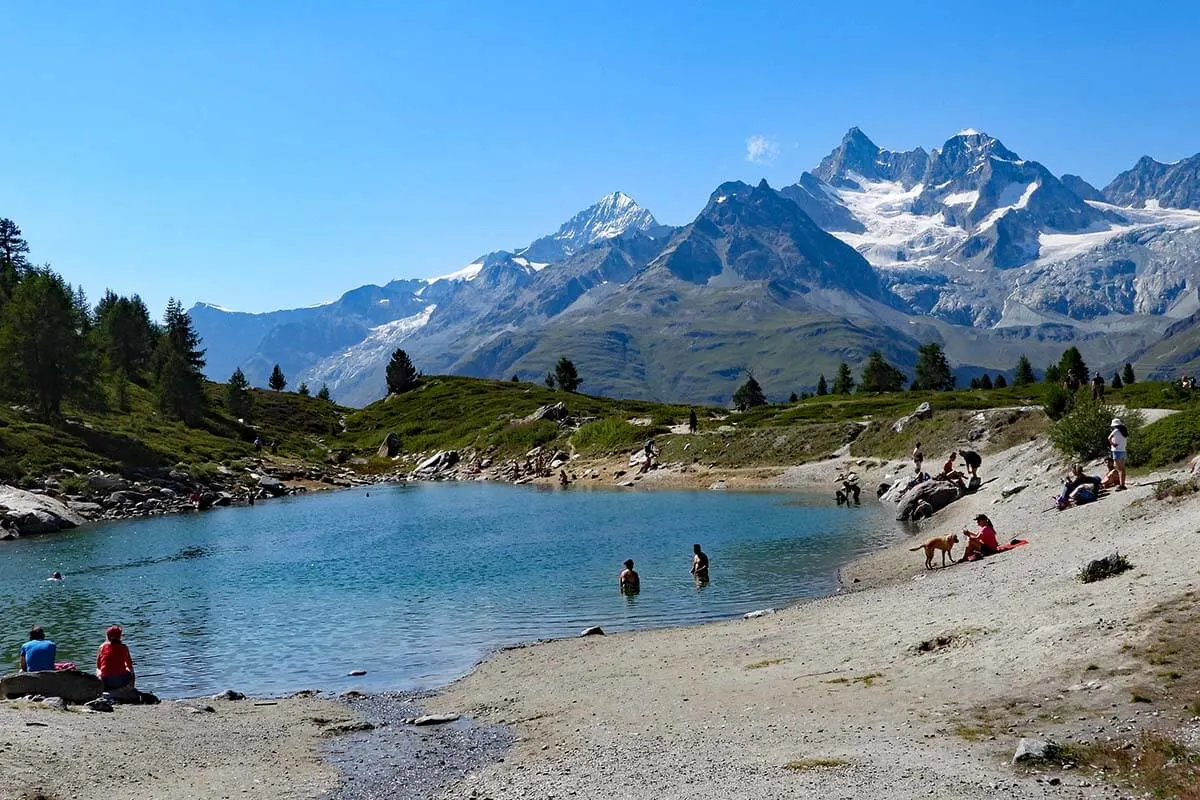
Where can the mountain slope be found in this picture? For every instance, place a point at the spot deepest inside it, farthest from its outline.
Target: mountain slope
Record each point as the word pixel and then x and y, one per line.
pixel 613 216
pixel 1167 185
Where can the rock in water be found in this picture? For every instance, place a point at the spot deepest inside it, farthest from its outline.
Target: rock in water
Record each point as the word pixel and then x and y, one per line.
pixel 595 630
pixel 357 673
pixel 30 514
pixel 229 694
pixel 71 685
pixel 762 612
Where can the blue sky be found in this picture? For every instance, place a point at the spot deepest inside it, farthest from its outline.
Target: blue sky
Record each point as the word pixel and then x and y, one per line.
pixel 275 154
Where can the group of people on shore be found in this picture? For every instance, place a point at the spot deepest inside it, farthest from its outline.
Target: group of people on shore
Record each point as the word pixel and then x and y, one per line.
pixel 1080 488
pixel 630 583
pixel 114 664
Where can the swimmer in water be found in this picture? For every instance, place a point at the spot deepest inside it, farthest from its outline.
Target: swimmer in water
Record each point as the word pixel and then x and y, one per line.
pixel 55 576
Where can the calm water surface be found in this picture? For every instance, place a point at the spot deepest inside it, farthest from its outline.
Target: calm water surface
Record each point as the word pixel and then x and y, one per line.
pixel 413 584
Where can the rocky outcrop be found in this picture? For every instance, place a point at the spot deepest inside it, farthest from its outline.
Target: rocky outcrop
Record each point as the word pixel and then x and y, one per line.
pixel 926 499
pixel 27 514
pixel 71 685
pixel 554 413
pixel 389 447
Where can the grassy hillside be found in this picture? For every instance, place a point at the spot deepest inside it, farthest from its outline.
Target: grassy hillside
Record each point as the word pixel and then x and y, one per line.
pixel 114 440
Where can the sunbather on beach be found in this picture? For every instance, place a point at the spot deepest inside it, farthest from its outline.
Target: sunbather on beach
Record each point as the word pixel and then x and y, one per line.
pixel 629 581
pixel 1079 488
pixel 114 665
pixel 1112 477
pixel 982 542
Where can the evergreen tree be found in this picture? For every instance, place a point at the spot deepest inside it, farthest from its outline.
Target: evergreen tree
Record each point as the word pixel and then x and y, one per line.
pixel 277 381
pixel 13 262
pixel 1127 375
pixel 126 334
pixel 843 382
pixel 933 371
pixel 43 349
pixel 793 398
pixel 975 383
pixel 303 389
pixel 324 394
pixel 1072 365
pixel 515 379
pixel 1117 383
pixel 822 387
pixel 178 366
pixel 550 380
pixel 749 394
pixel 1052 374
pixel 1001 382
pixel 1023 375
pixel 985 382
pixel 402 376
pixel 237 396
pixel 880 376
pixel 565 375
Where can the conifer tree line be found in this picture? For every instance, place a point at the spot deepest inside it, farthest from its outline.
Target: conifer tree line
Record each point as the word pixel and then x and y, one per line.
pixel 55 347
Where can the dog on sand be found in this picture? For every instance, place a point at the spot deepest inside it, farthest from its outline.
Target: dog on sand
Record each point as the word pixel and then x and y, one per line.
pixel 943 543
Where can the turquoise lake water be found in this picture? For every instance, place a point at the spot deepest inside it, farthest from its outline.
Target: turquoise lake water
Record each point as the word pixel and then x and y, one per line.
pixel 413 584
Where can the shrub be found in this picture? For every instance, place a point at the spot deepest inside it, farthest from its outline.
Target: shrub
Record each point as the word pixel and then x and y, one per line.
pixel 1172 489
pixel 1167 441
pixel 523 437
pixel 1083 432
pixel 1103 568
pixel 1058 401
pixel 608 436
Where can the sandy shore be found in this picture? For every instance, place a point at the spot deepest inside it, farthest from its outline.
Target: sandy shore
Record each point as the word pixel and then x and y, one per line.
pixel 907 683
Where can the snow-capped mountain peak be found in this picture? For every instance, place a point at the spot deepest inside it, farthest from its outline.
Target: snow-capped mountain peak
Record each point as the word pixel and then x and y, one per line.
pixel 614 215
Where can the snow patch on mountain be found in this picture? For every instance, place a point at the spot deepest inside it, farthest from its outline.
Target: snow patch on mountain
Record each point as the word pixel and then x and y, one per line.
pixel 342 369
pixel 895 236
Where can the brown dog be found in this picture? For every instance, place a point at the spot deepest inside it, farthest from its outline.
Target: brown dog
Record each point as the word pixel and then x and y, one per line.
pixel 943 543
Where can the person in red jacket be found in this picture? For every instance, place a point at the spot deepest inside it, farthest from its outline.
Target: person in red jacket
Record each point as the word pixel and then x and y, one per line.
pixel 983 542
pixel 114 665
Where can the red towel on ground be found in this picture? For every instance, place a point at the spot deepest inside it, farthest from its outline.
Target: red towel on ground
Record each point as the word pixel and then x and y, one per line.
pixel 1001 549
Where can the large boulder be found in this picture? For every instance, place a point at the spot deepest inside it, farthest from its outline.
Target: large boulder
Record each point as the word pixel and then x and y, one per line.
pixel 441 460
pixel 107 483
pixel 924 411
pixel 272 486
pixel 554 413
pixel 69 684
pixel 928 498
pixel 30 514
pixel 389 447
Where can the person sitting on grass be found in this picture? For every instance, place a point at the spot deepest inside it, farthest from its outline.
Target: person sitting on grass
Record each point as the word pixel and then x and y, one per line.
pixel 114 665
pixel 983 542
pixel 1078 489
pixel 37 655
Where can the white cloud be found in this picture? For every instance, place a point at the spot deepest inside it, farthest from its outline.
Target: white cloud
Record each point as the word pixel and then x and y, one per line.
pixel 760 149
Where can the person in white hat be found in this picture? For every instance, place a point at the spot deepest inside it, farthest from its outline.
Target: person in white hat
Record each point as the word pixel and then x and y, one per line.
pixel 1117 439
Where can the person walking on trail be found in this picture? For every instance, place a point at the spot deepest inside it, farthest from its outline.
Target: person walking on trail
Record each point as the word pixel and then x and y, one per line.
pixel 693 423
pixel 918 457
pixel 1118 439
pixel 651 453
pixel 1098 387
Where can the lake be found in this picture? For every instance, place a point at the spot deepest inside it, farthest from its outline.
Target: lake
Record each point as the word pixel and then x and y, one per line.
pixel 414 584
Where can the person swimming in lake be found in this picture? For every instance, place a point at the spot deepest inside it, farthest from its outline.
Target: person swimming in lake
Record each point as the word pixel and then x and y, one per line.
pixel 114 665
pixel 629 581
pixel 699 564
pixel 55 576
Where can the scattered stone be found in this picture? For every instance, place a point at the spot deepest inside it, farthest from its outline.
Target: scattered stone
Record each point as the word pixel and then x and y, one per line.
pixel 719 486
pixel 595 630
pixel 1101 568
pixel 356 673
pixel 1009 491
pixel 107 483
pixel 351 726
pixel 435 719
pixel 272 486
pixel 55 702
pixel 1033 749
pixel 71 685
pixel 554 413
pixel 199 709
pixel 762 612
pixel 99 704
pixel 229 694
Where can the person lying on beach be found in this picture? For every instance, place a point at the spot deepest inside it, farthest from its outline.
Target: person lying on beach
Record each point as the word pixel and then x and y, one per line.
pixel 629 581
pixel 983 542
pixel 1112 477
pixel 114 665
pixel 1079 488
pixel 37 655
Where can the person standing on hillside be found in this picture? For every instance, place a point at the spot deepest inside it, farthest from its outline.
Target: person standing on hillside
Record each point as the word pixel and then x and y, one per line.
pixel 1118 440
pixel 972 460
pixel 629 581
pixel 1098 387
pixel 699 564
pixel 918 457
pixel 37 655
pixel 693 423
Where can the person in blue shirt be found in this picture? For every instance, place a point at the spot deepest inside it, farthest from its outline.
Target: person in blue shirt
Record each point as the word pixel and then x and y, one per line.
pixel 38 653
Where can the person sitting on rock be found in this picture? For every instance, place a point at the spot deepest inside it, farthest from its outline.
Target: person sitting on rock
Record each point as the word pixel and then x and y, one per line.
pixel 982 543
pixel 37 655
pixel 629 581
pixel 114 665
pixel 949 470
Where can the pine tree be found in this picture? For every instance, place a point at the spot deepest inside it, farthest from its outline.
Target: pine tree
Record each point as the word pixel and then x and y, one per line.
pixel 843 382
pixel 324 394
pixel 237 396
pixel 515 379
pixel 933 371
pixel 880 376
pixel 13 262
pixel 1127 375
pixel 1023 374
pixel 550 380
pixel 975 383
pixel 277 381
pixel 749 394
pixel 793 398
pixel 822 387
pixel 565 375
pixel 1071 365
pixel 1052 374
pixel 303 389
pixel 178 366
pixel 43 349
pixel 985 382
pixel 402 376
pixel 126 334
pixel 1001 382
pixel 1117 383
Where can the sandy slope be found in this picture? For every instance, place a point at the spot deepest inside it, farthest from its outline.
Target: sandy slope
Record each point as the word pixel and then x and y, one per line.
pixel 720 709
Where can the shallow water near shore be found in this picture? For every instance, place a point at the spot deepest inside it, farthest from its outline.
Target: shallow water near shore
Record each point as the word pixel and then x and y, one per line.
pixel 413 584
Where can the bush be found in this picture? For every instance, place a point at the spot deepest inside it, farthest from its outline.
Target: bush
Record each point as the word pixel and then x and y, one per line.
pixel 1171 489
pixel 1168 441
pixel 523 437
pixel 1058 401
pixel 608 436
pixel 1083 433
pixel 1105 567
